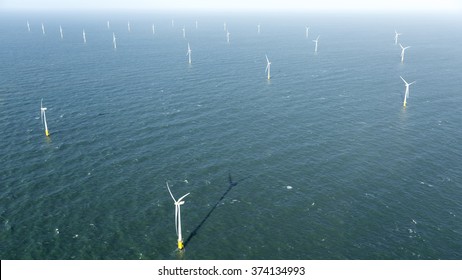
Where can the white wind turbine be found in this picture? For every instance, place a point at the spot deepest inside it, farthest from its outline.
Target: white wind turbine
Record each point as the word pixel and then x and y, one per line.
pixel 61 31
pixel 84 36
pixel 173 23
pixel 189 53
pixel 224 26
pixel 268 67
pixel 43 29
pixel 406 93
pixel 196 24
pixel 184 32
pixel 28 26
pixel 258 28
pixel 307 29
pixel 108 25
pixel 43 117
pixel 114 42
pixel 316 46
pixel 227 36
pixel 396 37
pixel 128 26
pixel 402 51
pixel 153 29
pixel 178 204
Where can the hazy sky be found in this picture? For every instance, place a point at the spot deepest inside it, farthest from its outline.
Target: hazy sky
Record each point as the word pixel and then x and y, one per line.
pixel 253 5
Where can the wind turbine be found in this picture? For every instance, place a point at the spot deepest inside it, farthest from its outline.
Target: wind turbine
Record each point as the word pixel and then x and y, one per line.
pixel 43 29
pixel 227 36
pixel 61 31
pixel 114 42
pixel 108 25
pixel 153 29
pixel 406 93
pixel 184 32
pixel 189 53
pixel 268 67
pixel 84 37
pixel 307 29
pixel 258 28
pixel 224 26
pixel 128 26
pixel 178 204
pixel 316 46
pixel 402 51
pixel 196 24
pixel 28 26
pixel 43 117
pixel 396 37
pixel 173 23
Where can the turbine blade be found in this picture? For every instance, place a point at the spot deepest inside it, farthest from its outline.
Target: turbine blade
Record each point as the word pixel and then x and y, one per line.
pixel 181 198
pixel 403 79
pixel 401 46
pixel 412 82
pixel 168 187
pixel 267 60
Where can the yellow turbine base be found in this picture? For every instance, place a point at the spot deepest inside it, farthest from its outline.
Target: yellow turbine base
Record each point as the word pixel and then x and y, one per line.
pixel 180 245
pixel 404 104
pixel 47 133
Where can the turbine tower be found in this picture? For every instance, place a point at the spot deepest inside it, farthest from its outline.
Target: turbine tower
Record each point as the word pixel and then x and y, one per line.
pixel 227 36
pixel 316 46
pixel 114 41
pixel 61 31
pixel 28 26
pixel 402 51
pixel 307 29
pixel 84 37
pixel 268 67
pixel 178 204
pixel 43 117
pixel 406 93
pixel 43 29
pixel 189 53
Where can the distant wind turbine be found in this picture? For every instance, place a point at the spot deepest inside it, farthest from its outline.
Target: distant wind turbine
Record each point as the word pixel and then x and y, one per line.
pixel 196 24
pixel 28 26
pixel 43 29
pixel 61 31
pixel 402 51
pixel 268 67
pixel 307 29
pixel 184 32
pixel 108 25
pixel 128 26
pixel 84 37
pixel 224 26
pixel 153 29
pixel 173 23
pixel 406 93
pixel 258 29
pixel 43 117
pixel 189 53
pixel 227 36
pixel 396 37
pixel 178 204
pixel 316 46
pixel 114 42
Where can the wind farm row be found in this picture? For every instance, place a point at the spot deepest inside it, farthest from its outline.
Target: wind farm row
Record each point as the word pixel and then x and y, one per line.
pixel 227 36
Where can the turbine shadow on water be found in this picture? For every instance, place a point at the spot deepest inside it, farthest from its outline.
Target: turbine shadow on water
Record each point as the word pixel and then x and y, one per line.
pixel 230 186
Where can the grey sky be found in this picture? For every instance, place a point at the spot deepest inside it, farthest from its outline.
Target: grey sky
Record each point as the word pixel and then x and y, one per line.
pixel 253 5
